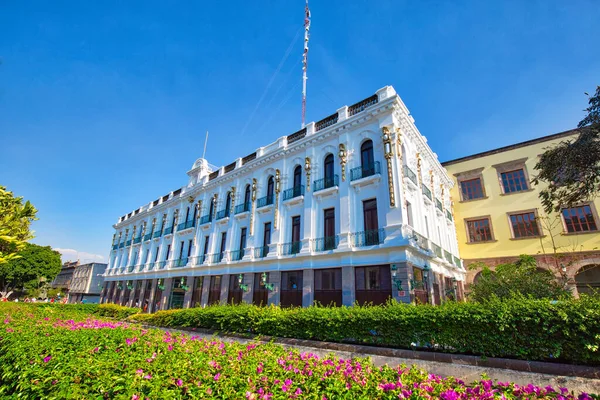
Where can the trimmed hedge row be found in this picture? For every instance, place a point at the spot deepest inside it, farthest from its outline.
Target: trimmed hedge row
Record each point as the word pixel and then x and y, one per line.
pixel 566 331
pixel 101 310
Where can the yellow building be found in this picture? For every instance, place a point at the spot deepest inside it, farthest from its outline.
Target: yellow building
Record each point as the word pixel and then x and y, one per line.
pixel 499 216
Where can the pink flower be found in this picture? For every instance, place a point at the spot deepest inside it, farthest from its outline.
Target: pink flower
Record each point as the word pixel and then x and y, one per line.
pixel 298 392
pixel 259 369
pixel 148 376
pixel 170 348
pixel 209 391
pixel 179 382
pixel 48 358
pixel 139 372
pixel 135 397
pixel 217 376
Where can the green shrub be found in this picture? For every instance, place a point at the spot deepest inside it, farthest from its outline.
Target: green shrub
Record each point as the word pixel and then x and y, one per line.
pixel 568 331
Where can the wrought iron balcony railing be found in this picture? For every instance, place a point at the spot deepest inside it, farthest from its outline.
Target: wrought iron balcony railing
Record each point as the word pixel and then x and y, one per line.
pixel 426 192
pixel 128 243
pixel 168 230
pixel 325 183
pixel 115 246
pixel 222 214
pixel 237 255
pixel 448 256
pixel 161 264
pixel 438 205
pixel 199 260
pixel 265 201
pixel 182 262
pixel 244 207
pixel 261 252
pixel 137 240
pixel 327 243
pixel 291 248
pixel 187 224
pixel 206 219
pixel 158 233
pixel 449 215
pixel 147 236
pixel 365 170
pixel 215 258
pixel 368 238
pixel 410 174
pixel 296 191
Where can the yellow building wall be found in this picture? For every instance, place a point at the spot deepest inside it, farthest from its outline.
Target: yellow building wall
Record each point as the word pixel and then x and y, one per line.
pixel 497 205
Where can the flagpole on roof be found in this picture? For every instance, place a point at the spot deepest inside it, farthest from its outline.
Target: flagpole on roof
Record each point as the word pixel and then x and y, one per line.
pixel 205 142
pixel 305 61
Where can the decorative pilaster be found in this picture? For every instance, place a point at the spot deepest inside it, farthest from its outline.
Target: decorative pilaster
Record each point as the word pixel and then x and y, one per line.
pixel 400 161
pixel 277 190
pixel 432 184
pixel 253 206
pixel 442 196
pixel 343 159
pixel 214 200
pixel 419 177
pixel 307 168
pixel 232 199
pixel 388 154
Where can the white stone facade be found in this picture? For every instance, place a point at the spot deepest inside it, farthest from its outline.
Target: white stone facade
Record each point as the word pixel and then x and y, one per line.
pixel 411 230
pixel 86 283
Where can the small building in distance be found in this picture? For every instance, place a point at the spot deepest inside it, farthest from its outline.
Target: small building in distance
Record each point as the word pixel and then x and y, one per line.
pixel 86 283
pixel 64 277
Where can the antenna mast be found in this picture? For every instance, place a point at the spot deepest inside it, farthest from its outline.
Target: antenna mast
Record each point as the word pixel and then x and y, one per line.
pixel 205 142
pixel 305 61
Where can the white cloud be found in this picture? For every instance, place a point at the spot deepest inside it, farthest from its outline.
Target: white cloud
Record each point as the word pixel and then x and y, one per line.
pixel 82 256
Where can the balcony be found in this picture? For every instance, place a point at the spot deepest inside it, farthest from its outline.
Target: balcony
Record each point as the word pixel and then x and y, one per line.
pixel 215 258
pixel 242 208
pixel 149 266
pixel 237 255
pixel 128 243
pixel 288 249
pixel 161 264
pixel 410 175
pixel 182 262
pixel 458 262
pixel 368 238
pixel 449 215
pixel 365 171
pixel 223 214
pixel 294 192
pixel 448 256
pixel 186 225
pixel 206 219
pixel 158 234
pixel 115 246
pixel 130 269
pixel 426 192
pixel 197 260
pixel 438 205
pixel 261 252
pixel 147 236
pixel 168 230
pixel 327 243
pixel 265 201
pixel 137 240
pixel 437 250
pixel 418 239
pixel 325 183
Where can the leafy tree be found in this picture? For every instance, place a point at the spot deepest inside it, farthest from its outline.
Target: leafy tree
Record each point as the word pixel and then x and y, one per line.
pixel 572 168
pixel 15 218
pixel 35 266
pixel 521 278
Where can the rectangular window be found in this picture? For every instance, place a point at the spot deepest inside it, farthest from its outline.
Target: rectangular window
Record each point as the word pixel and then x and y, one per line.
pixel 168 252
pixel 189 248
pixel 524 225
pixel 409 215
pixel 206 238
pixel 471 189
pixel 181 249
pixel 223 242
pixel 328 279
pixel 579 219
pixel 156 254
pixel 479 230
pixel 243 239
pixel 296 228
pixel 291 280
pixel 514 181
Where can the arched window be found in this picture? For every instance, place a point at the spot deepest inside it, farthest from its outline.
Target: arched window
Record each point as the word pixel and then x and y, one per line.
pixel 588 279
pixel 270 188
pixel 297 176
pixel 247 195
pixel 328 170
pixel 366 155
pixel 228 203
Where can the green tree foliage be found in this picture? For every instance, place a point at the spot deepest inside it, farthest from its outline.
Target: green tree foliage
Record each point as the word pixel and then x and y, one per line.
pixel 15 218
pixel 571 170
pixel 34 266
pixel 521 278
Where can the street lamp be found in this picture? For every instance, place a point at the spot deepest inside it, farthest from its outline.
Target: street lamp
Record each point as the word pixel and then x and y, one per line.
pixel 397 282
pixel 240 284
pixel 268 286
pixel 425 278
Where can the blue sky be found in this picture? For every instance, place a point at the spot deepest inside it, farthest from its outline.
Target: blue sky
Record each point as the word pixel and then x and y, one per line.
pixel 104 105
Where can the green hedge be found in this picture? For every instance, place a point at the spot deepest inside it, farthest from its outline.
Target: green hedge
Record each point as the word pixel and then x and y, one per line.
pixel 101 310
pixel 567 331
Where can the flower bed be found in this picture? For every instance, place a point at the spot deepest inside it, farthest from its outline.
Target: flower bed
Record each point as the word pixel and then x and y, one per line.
pixel 567 331
pixel 51 352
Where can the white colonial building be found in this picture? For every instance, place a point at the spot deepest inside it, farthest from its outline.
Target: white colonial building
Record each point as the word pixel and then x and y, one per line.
pixel 354 207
